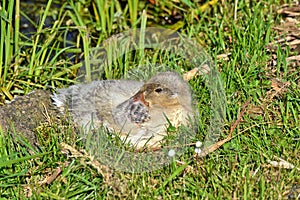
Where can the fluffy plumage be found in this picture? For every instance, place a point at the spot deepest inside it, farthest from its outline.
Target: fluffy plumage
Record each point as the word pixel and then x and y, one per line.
pixel 134 109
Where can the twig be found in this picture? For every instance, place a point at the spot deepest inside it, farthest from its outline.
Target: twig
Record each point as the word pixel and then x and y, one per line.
pixel 217 145
pixel 293 58
pixel 48 180
pixel 105 171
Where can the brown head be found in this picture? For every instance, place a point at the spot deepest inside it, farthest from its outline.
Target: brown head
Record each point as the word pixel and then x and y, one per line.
pixel 166 89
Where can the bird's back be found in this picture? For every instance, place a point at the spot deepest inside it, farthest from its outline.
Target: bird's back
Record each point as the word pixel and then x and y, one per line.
pixel 93 103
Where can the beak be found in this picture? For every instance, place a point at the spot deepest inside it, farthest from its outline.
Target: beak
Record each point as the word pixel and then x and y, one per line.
pixel 140 97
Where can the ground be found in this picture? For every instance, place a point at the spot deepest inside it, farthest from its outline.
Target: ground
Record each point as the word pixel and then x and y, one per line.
pixel 255 46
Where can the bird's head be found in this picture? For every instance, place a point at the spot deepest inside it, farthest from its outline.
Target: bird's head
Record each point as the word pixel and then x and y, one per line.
pixel 165 89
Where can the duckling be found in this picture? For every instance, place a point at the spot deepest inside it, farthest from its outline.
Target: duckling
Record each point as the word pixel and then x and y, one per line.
pixel 139 111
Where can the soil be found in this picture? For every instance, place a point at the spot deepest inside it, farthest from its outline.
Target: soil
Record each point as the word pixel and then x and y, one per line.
pixel 24 114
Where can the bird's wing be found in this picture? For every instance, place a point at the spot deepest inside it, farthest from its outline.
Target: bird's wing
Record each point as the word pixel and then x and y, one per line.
pixel 94 102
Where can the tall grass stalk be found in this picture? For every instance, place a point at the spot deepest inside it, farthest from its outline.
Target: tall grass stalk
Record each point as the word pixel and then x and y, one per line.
pixel 6 35
pixel 133 11
pixel 142 37
pixel 3 21
pixel 32 65
pixel 102 9
pixel 16 34
pixel 77 19
pixel 104 13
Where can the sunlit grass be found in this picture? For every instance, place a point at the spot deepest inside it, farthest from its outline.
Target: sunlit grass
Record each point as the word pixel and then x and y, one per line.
pixel 47 59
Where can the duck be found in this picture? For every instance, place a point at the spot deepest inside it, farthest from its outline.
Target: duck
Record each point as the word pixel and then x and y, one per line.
pixel 139 112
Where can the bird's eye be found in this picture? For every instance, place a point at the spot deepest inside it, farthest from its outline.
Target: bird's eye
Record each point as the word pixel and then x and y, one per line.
pixel 158 90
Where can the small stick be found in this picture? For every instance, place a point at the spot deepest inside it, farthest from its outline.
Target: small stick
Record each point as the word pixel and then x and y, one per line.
pixel 217 145
pixel 204 69
pixel 54 175
pixel 104 170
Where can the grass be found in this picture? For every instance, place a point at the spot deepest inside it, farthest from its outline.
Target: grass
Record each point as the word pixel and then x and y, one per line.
pixel 238 170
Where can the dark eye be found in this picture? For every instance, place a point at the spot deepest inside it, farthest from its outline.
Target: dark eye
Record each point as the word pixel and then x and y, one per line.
pixel 158 90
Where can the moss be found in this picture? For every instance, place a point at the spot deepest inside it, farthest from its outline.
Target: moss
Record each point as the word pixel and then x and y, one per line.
pixel 24 114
